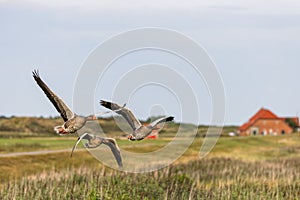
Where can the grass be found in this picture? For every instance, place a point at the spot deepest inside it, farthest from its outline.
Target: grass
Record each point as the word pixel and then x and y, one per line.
pixel 53 143
pixel 212 178
pixel 33 144
pixel 31 165
pixel 258 147
pixel 258 167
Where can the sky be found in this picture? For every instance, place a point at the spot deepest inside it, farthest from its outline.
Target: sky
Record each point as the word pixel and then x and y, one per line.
pixel 255 47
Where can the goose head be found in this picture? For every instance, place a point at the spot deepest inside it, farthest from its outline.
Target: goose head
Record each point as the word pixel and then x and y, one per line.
pixel 131 137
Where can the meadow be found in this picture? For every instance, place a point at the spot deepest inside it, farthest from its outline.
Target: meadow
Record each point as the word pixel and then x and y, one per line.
pixel 258 167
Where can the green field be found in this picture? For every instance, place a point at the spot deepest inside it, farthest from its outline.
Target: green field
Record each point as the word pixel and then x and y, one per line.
pixel 263 167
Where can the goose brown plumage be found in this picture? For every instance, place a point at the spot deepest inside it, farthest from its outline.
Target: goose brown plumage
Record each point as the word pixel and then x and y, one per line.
pixel 95 141
pixel 139 131
pixel 72 121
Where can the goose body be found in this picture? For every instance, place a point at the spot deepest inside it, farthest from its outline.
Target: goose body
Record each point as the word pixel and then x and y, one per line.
pixel 72 121
pixel 95 141
pixel 139 131
pixel 74 124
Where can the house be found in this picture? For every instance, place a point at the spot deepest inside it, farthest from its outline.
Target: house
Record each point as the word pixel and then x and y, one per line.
pixel 265 122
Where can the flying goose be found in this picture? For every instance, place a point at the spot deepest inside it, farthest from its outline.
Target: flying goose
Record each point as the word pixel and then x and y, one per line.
pixel 95 141
pixel 139 131
pixel 73 122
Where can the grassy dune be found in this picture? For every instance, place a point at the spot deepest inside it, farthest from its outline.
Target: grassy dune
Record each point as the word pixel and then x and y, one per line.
pixel 12 127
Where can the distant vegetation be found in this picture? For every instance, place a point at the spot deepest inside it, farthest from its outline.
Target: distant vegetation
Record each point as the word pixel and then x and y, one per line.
pixel 29 125
pixel 292 123
pixel 40 126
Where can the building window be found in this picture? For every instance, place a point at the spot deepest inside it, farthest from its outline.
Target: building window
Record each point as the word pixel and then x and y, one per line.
pixel 254 130
pixel 282 132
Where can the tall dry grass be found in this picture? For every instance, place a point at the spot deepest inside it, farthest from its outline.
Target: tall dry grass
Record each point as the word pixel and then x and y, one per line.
pixel 214 178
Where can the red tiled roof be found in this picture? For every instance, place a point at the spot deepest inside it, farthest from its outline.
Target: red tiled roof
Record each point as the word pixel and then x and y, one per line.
pixel 261 114
pixel 244 126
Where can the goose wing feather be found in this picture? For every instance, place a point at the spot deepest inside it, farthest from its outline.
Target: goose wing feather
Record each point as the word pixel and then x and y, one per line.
pixel 58 103
pixel 160 120
pixel 112 144
pixel 125 112
pixel 84 136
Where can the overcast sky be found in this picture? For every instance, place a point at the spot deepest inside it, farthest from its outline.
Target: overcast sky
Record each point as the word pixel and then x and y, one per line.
pixel 255 46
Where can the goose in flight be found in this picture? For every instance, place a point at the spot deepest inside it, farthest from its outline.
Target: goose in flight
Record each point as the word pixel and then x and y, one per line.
pixel 139 131
pixel 95 141
pixel 72 121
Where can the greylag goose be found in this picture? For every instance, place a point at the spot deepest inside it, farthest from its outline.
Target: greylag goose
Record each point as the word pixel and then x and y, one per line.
pixel 72 121
pixel 95 141
pixel 139 131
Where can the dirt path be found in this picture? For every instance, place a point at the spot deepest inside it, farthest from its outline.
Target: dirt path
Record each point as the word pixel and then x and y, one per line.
pixel 37 152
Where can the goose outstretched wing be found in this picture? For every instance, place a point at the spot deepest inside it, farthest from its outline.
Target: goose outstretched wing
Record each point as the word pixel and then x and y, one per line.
pixel 125 112
pixel 112 144
pixel 58 103
pixel 160 120
pixel 84 136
